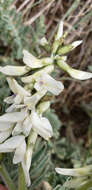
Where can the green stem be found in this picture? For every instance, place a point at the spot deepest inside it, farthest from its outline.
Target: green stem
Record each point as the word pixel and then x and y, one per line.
pixel 21 179
pixel 6 178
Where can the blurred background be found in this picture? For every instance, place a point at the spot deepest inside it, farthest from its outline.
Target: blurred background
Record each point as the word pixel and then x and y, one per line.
pixel 22 25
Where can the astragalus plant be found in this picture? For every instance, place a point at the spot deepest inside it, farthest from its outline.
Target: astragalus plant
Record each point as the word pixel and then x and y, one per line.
pixel 23 120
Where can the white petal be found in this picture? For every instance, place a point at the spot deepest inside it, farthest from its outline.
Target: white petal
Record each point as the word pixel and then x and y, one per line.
pixel 27 125
pixel 64 171
pixel 29 152
pixel 19 106
pixel 11 144
pixel 12 117
pixel 33 100
pixel 26 174
pixel 41 125
pixel 77 74
pixel 14 70
pixel 81 75
pixel 31 60
pixel 4 135
pixel 43 41
pixel 42 107
pixel 33 77
pixel 20 89
pixel 84 171
pixel 60 30
pixel 18 99
pixel 47 82
pixel 76 43
pixel 10 99
pixel 20 153
pixel 47 61
pixel 10 108
pixel 32 137
pixel 16 88
pixel 12 85
pixel 4 126
pixel 17 129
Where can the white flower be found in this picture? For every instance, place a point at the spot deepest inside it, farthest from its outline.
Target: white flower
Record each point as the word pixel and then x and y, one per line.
pixel 42 107
pixel 84 171
pixel 76 43
pixel 17 98
pixel 34 62
pixel 12 143
pixel 26 173
pixel 60 30
pixel 19 152
pixel 10 123
pixel 45 81
pixel 81 75
pixel 27 125
pixel 43 41
pixel 17 144
pixel 28 156
pixel 12 117
pixel 34 99
pixel 5 134
pixel 14 70
pixel 23 126
pixel 31 78
pixel 41 125
pixel 4 126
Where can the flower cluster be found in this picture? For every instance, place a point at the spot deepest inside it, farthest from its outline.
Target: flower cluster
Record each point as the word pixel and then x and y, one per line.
pixel 23 120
